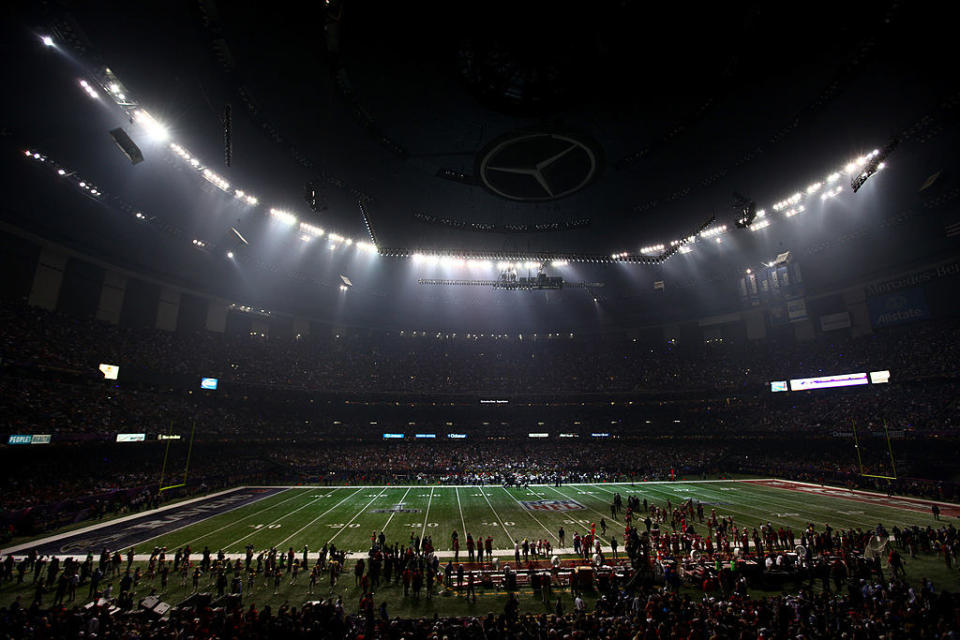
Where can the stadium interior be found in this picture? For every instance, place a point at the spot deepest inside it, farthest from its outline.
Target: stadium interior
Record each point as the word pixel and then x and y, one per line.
pixel 539 320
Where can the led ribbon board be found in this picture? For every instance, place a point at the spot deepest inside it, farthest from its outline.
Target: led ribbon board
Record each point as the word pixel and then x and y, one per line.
pixel 826 382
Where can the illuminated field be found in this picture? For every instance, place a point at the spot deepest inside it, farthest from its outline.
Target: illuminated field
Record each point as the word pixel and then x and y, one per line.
pixel 348 516
pixel 265 517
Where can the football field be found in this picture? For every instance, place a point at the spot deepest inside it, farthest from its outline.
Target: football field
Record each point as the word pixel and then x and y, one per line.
pixel 347 516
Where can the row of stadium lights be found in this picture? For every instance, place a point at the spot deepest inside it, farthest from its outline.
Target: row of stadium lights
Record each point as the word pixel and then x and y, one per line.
pixel 453 261
pixel 92 190
pixel 158 132
pixel 790 206
pixel 85 185
pixel 494 336
pixel 309 232
pixel 828 188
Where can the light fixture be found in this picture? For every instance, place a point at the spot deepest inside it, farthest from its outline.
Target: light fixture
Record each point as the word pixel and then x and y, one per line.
pixel 284 217
pixel 156 130
pixel 47 40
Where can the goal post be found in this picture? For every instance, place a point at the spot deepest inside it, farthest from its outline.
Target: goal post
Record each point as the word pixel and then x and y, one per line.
pixel 166 456
pixel 872 463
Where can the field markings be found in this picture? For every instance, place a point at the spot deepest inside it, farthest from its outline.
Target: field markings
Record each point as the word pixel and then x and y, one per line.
pixel 749 498
pixel 748 505
pixel 357 515
pixel 402 498
pixel 728 509
pixel 186 526
pixel 503 526
pixel 231 524
pixel 426 515
pixel 460 509
pixel 286 515
pixel 588 508
pixel 805 504
pixel 739 508
pixel 529 513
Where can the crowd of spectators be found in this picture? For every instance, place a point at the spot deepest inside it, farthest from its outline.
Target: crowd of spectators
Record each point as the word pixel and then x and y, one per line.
pixel 891 609
pixel 446 363
pixel 271 407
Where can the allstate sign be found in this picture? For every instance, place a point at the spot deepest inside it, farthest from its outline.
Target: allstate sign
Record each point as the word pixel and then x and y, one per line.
pixel 904 306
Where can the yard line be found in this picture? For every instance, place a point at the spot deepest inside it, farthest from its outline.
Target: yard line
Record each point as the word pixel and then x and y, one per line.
pixel 512 541
pixel 230 524
pixel 317 518
pixel 589 508
pixel 737 508
pixel 747 507
pixel 351 519
pixel 274 522
pixel 464 530
pixel 531 514
pixel 160 535
pixel 425 516
pixel 395 513
pixel 800 503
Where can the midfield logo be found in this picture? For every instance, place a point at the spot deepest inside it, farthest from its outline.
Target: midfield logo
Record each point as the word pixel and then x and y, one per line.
pixel 397 508
pixel 552 505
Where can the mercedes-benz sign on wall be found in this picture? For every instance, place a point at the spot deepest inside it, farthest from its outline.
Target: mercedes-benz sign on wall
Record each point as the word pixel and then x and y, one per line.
pixel 537 166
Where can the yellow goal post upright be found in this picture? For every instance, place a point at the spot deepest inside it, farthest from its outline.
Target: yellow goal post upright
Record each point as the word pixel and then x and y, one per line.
pixel 166 454
pixel 856 444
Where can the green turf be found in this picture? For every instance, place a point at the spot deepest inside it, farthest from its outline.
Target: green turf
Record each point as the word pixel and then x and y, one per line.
pixel 347 517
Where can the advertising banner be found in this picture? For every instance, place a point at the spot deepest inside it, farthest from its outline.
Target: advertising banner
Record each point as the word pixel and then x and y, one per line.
pixel 908 305
pixel 835 321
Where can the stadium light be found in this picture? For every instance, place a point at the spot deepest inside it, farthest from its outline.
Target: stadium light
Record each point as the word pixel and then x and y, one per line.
pixel 309 230
pixel 285 217
pixel 240 194
pixel 713 231
pixel 90 90
pixel 47 40
pixel 216 180
pixel 156 130
pixel 230 254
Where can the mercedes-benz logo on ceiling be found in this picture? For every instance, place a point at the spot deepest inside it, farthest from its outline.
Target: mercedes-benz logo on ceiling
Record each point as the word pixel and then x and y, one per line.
pixel 538 166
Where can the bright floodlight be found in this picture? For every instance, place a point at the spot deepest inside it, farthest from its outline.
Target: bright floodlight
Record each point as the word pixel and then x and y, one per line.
pixel 47 40
pixel 156 130
pixel 285 217
pixel 230 254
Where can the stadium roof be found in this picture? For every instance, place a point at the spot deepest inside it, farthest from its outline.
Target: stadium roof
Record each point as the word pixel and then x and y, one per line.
pixel 490 127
